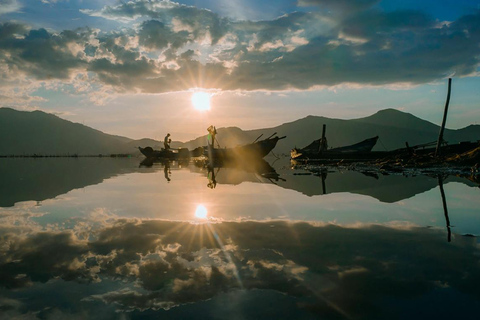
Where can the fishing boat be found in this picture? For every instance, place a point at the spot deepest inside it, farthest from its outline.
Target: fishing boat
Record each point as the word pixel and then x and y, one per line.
pixel 251 151
pixel 170 154
pixel 315 151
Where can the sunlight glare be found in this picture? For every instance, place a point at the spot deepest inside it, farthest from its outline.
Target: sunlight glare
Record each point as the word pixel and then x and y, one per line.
pixel 201 101
pixel 201 212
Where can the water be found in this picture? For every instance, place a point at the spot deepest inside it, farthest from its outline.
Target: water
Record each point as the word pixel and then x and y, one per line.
pixel 103 238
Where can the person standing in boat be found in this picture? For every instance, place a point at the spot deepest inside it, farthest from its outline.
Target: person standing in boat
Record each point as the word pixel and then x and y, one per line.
pixel 166 142
pixel 212 131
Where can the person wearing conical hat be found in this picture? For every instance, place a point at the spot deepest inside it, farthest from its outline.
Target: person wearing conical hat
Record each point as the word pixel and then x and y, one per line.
pixel 166 142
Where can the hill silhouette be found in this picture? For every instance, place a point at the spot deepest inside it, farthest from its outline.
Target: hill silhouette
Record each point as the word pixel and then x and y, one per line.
pixel 392 126
pixel 37 132
pixel 41 133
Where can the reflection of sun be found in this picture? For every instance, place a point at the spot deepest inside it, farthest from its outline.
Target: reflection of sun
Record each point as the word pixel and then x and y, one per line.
pixel 201 212
pixel 201 101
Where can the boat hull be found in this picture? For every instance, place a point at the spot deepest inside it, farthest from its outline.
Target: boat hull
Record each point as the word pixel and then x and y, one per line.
pixel 450 150
pixel 249 152
pixel 361 149
pixel 176 154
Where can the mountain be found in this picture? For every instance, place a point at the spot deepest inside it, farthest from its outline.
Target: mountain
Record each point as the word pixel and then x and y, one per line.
pixel 41 133
pixel 38 132
pixel 392 126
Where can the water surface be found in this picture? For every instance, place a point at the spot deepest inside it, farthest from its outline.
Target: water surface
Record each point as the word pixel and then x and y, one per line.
pixel 103 238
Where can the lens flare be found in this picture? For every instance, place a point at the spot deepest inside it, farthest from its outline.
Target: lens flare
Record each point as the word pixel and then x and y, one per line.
pixel 201 212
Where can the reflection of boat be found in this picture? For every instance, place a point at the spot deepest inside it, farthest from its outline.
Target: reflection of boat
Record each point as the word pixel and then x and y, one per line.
pixel 314 150
pixel 150 161
pixel 171 154
pixel 245 153
pixel 389 188
pixel 257 170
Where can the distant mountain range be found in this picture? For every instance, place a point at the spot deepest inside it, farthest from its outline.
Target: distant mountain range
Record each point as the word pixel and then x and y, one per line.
pixel 37 132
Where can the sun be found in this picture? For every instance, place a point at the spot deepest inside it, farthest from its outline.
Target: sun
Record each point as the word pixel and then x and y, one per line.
pixel 201 101
pixel 201 212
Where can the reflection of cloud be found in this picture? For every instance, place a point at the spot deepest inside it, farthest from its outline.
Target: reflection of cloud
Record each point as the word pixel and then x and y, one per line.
pixel 175 47
pixel 167 264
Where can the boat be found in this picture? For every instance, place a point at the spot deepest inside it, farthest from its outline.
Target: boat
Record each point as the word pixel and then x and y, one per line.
pixel 314 150
pixel 248 152
pixel 251 151
pixel 170 154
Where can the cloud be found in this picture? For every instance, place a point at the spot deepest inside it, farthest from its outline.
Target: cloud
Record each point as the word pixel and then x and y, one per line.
pixel 41 54
pixel 171 47
pixel 340 5
pixel 8 6
pixel 329 267
pixel 42 256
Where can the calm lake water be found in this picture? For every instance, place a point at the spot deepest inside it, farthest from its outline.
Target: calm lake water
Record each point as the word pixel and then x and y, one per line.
pixel 102 238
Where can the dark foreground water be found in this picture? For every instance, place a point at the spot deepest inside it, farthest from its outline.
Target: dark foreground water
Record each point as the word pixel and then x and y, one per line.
pixel 110 239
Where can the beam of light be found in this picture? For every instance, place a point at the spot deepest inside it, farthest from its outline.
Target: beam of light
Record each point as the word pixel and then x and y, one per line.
pixel 201 100
pixel 202 213
pixel 227 254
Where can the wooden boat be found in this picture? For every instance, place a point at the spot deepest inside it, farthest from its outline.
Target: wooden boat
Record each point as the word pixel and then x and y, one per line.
pixel 171 154
pixel 251 151
pixel 313 150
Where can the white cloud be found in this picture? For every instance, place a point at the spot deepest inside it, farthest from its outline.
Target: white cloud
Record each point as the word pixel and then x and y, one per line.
pixel 8 6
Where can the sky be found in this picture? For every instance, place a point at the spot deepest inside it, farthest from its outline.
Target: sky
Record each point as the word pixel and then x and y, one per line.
pixel 131 67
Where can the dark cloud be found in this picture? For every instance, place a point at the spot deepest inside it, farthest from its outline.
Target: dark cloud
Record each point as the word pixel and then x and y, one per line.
pixel 41 257
pixel 177 47
pixel 41 54
pixel 154 34
pixel 8 30
pixel 165 264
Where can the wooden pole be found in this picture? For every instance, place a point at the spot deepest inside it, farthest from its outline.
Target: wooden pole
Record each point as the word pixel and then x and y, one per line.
pixel 445 210
pixel 322 142
pixel 442 128
pixel 324 187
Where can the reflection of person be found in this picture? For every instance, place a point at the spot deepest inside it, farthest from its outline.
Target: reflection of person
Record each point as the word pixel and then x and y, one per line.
pixel 212 183
pixel 166 142
pixel 166 170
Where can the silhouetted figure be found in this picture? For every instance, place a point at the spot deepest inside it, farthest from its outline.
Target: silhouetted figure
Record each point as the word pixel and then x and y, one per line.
pixel 212 183
pixel 212 131
pixel 166 142
pixel 166 170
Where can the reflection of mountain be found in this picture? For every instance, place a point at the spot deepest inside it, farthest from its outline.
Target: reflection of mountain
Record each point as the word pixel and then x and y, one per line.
pixel 46 178
pixel 270 270
pixel 385 188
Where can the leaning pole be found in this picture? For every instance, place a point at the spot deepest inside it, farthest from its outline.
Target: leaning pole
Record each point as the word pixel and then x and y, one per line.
pixel 442 128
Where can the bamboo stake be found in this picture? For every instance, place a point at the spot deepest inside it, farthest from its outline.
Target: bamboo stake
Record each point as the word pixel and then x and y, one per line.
pixel 442 128
pixel 445 209
pixel 322 142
